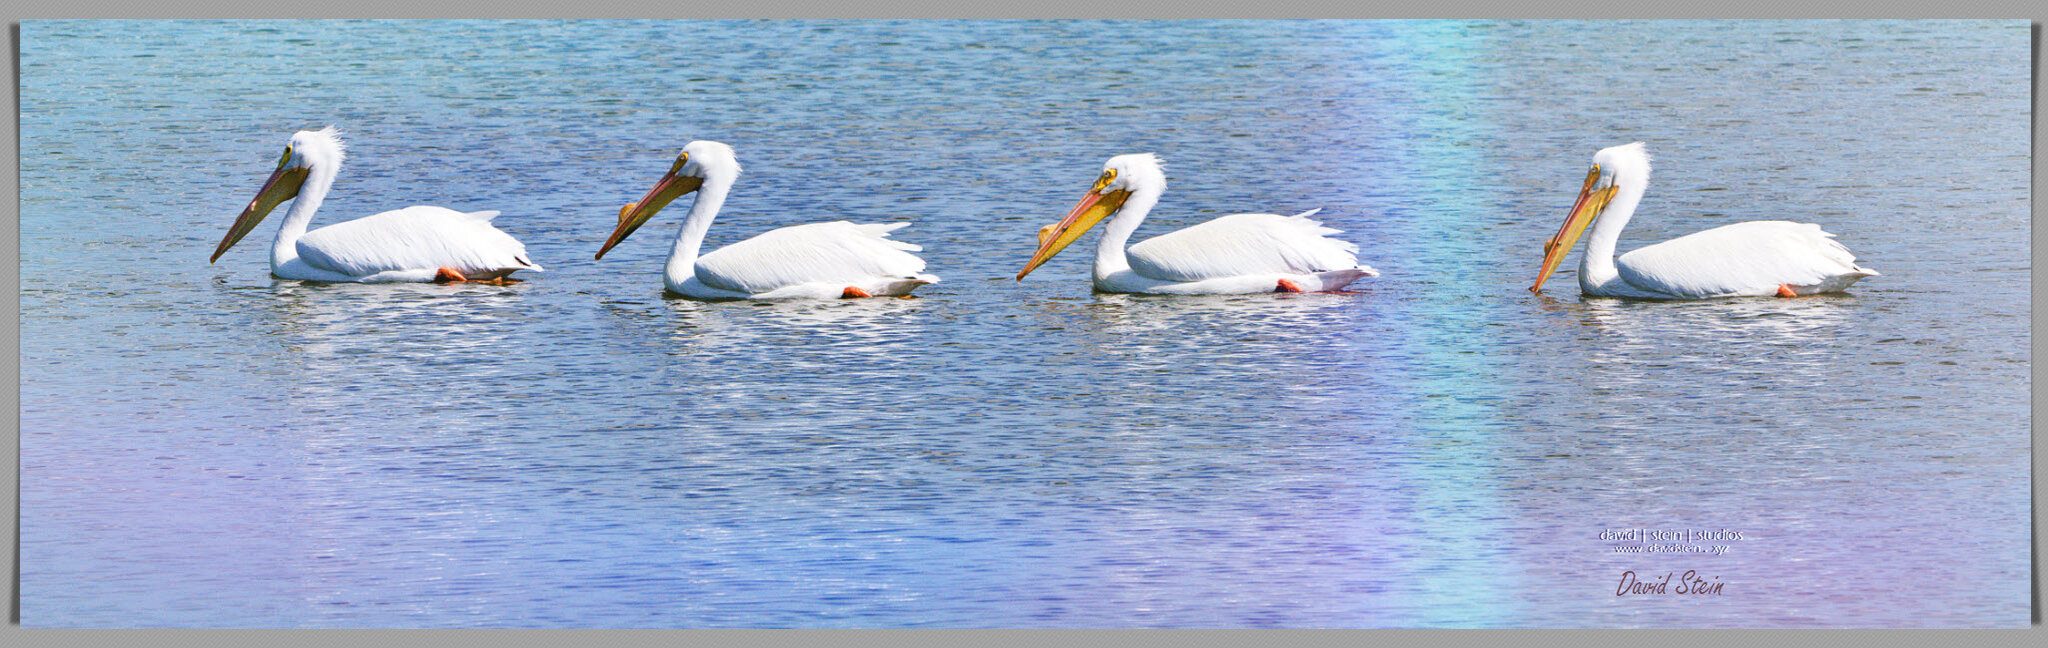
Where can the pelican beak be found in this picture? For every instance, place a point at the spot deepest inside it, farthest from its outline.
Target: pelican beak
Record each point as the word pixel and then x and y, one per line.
pixel 635 214
pixel 1094 207
pixel 1588 207
pixel 282 186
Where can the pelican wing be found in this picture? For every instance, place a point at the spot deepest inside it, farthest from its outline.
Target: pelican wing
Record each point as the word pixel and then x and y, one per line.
pixel 1750 258
pixel 838 251
pixel 414 238
pixel 1243 244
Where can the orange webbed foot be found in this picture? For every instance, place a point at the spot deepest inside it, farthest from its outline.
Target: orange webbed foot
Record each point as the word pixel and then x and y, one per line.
pixel 1288 286
pixel 1785 290
pixel 853 293
pixel 449 275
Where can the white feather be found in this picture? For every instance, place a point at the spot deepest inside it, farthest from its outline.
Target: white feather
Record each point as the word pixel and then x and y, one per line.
pixel 839 252
pixel 413 238
pixel 1751 258
pixel 1244 244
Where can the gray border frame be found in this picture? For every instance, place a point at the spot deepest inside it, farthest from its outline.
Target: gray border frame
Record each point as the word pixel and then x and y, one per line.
pixel 10 321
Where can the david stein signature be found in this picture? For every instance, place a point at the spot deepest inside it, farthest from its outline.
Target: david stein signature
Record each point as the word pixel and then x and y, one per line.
pixel 1689 583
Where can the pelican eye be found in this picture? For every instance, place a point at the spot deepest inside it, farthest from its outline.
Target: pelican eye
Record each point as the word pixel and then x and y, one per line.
pixel 286 158
pixel 680 161
pixel 1108 176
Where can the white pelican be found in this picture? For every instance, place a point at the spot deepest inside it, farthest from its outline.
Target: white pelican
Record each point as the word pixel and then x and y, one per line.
pixel 819 260
pixel 1752 259
pixel 415 244
pixel 1239 253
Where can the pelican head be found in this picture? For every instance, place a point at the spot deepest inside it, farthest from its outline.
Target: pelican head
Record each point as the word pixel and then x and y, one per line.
pixel 308 150
pixel 1121 176
pixel 1613 167
pixel 700 161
